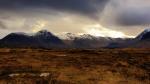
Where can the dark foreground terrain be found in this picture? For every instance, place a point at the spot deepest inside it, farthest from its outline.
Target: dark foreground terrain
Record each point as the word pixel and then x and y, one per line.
pixel 101 66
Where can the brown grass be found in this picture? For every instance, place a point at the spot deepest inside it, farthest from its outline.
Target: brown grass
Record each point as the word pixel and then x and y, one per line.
pixel 101 66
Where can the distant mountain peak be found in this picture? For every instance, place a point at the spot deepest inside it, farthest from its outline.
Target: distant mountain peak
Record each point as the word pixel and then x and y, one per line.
pixel 43 38
pixel 87 36
pixel 43 33
pixel 147 30
pixel 144 35
pixel 67 36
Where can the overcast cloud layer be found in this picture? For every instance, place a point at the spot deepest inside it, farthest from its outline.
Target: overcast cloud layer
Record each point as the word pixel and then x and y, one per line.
pixel 127 16
pixel 87 7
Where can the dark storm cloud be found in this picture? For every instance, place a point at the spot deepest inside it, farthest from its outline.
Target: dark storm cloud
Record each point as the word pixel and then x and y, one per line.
pixel 134 17
pixel 130 12
pixel 79 6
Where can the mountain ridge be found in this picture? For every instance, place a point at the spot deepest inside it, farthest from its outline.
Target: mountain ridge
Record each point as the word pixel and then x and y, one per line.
pixel 41 39
pixel 46 39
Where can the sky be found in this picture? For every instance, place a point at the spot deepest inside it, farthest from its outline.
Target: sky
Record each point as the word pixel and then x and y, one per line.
pixel 111 18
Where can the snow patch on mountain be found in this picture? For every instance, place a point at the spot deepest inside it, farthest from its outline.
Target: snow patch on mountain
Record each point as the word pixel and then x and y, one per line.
pixel 67 36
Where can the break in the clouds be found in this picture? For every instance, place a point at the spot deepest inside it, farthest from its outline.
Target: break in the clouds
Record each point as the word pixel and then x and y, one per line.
pixel 2 25
pixel 122 17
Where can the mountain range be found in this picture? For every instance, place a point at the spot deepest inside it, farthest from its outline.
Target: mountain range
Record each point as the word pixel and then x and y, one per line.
pixel 45 39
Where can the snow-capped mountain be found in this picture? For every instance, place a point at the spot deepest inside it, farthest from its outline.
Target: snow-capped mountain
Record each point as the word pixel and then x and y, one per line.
pixel 71 36
pixel 144 35
pixel 87 36
pixel 67 36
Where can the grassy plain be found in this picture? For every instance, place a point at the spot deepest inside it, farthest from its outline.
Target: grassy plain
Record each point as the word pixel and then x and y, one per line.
pixel 74 66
